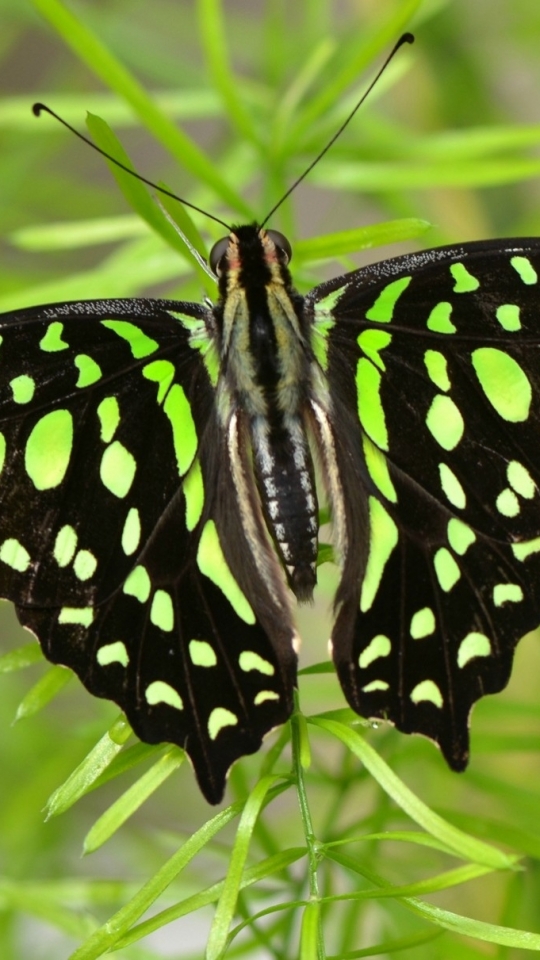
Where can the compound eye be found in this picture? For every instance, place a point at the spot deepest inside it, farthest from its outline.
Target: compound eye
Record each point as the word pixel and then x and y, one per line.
pixel 217 254
pixel 281 243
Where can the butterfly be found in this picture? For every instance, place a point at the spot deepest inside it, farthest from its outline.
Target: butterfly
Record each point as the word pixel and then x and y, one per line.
pixel 160 510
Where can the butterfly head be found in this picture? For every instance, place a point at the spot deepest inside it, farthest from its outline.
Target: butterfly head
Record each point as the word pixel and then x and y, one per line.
pixel 250 253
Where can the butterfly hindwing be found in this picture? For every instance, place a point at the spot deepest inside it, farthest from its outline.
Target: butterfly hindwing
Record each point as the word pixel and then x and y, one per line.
pixel 114 521
pixel 440 354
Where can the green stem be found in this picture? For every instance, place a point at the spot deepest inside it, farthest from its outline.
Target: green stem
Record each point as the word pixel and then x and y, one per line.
pixel 312 844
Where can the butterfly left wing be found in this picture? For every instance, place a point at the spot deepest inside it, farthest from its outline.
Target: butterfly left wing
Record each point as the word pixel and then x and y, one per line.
pixel 120 538
pixel 438 354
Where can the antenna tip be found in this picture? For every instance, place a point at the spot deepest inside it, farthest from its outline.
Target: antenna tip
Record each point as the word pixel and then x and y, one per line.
pixel 406 38
pixel 37 108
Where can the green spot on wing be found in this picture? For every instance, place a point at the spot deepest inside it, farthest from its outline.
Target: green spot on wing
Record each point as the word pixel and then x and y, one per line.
pixel 194 493
pixel 323 321
pixel 138 584
pixel 523 550
pixel 65 545
pixel 446 569
pixel 199 339
pixel 375 685
pixel 504 383
pixel 89 370
pixel 427 690
pixel 52 341
pixel 520 479
pixel 117 469
pixel 508 316
pixel 161 612
pixel 23 388
pixel 108 412
pixel 460 536
pixel 383 538
pixel 48 449
pixel 218 719
pixel 380 646
pixel 524 269
pixel 113 653
pixel 264 695
pixel 161 372
pixel 249 660
pixel 178 410
pixel 452 487
pixel 15 555
pixel 439 319
pixel 131 534
pixel 474 645
pixel 370 408
pixel 382 310
pixel 202 654
pixel 444 421
pixel 377 466
pixel 507 593
pixel 507 503
pixel 422 623
pixel 213 565
pixel 84 565
pixel 437 368
pixel 464 281
pixel 140 344
pixel 371 342
pixel 161 692
pixel 82 616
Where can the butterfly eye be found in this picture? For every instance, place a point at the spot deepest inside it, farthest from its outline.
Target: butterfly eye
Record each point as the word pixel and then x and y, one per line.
pixel 217 253
pixel 281 243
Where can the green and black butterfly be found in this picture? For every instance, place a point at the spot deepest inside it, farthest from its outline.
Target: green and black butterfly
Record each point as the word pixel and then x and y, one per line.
pixel 159 509
pixel 159 503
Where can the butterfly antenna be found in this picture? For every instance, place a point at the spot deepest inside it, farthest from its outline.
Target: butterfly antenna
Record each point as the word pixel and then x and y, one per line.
pixel 406 38
pixel 39 108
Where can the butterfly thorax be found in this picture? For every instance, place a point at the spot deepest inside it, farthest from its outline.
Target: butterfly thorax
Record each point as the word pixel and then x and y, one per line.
pixel 266 362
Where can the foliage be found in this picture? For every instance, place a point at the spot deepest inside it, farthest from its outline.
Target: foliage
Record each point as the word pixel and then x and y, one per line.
pixel 324 849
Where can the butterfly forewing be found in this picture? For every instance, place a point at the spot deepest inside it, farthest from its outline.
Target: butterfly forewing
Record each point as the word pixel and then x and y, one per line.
pixel 440 353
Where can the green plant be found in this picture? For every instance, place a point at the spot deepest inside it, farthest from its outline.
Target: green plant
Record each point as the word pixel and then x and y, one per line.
pixel 349 863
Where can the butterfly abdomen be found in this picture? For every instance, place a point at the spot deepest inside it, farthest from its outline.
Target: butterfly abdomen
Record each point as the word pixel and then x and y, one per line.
pixel 267 363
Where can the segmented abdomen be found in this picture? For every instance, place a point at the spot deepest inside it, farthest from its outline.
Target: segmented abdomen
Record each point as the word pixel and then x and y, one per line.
pixel 285 478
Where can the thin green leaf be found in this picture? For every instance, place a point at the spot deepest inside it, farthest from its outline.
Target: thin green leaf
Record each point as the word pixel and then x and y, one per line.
pixel 106 937
pixel 388 947
pixel 333 245
pixel 463 845
pixel 352 60
pixel 21 657
pixel 84 776
pixel 259 871
pixel 115 75
pixel 41 694
pixel 227 902
pixel 15 112
pixel 133 798
pixel 310 932
pixel 212 29
pixel 78 233
pixel 466 926
pixel 368 177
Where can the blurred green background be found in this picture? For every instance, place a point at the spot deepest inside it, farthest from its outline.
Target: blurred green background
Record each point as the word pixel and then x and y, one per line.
pixel 450 136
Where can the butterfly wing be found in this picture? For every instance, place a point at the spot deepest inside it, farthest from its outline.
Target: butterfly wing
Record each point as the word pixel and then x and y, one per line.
pixel 439 355
pixel 121 542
